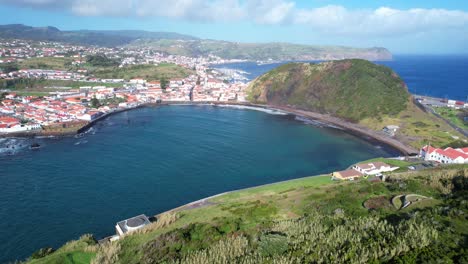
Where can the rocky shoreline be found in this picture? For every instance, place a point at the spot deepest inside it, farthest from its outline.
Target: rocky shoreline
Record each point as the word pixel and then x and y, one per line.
pixel 348 127
pixel 352 128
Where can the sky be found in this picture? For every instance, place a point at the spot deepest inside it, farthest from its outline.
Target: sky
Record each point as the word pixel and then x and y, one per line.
pixel 402 26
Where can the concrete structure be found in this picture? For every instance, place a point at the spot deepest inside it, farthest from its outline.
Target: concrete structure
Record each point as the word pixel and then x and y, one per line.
pixel 391 130
pixel 131 224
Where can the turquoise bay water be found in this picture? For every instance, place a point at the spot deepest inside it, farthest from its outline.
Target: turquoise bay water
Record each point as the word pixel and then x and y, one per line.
pixel 153 159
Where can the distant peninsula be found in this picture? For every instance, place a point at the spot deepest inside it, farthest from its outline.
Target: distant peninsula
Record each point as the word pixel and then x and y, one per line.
pixel 180 44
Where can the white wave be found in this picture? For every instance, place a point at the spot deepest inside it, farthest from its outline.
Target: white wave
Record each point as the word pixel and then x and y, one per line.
pixel 11 146
pixel 315 122
pixel 45 136
pixel 265 110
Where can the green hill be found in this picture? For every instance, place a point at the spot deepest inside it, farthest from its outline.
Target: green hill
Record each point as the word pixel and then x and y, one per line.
pixel 84 37
pixel 361 92
pixel 350 89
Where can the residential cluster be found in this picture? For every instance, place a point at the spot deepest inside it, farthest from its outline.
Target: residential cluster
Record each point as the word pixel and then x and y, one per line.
pixel 445 156
pixel 96 97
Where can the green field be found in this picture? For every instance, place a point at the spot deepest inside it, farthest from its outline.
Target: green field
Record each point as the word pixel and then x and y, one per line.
pixel 455 116
pixel 45 86
pixel 49 63
pixel 148 72
pixel 311 219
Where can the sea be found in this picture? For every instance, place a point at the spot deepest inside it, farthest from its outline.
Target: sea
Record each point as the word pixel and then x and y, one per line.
pixel 150 160
pixel 441 76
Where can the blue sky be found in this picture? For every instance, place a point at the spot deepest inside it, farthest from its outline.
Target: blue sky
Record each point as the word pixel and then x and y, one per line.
pixel 403 26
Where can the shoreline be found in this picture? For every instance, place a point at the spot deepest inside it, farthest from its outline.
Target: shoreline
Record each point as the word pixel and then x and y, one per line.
pixel 201 201
pixel 332 122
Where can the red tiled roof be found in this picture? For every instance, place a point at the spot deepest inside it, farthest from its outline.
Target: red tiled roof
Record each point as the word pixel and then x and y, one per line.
pixel 428 149
pixel 349 173
pixel 451 153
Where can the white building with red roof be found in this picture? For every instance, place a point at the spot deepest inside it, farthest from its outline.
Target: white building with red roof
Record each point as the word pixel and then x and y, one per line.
pixel 448 155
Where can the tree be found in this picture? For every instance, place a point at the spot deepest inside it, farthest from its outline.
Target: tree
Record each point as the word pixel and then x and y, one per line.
pixel 164 83
pixel 95 102
pixel 10 67
pixel 2 95
pixel 101 60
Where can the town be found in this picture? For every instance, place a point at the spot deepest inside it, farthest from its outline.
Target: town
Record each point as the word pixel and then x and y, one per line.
pixel 60 107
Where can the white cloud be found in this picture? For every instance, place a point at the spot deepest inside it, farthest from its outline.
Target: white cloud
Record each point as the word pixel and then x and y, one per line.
pixel 270 11
pixel 101 7
pixel 381 21
pixel 197 10
pixel 334 19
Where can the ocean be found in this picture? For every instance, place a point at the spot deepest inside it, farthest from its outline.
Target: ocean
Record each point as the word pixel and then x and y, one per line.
pixel 150 160
pixel 430 75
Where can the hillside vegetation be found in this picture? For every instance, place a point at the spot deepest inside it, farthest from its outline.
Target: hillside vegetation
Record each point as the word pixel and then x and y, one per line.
pixel 83 37
pixel 350 89
pixel 309 220
pixel 358 91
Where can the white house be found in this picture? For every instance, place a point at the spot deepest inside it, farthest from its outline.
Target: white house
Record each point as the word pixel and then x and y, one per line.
pixel 90 116
pixel 19 128
pixel 373 168
pixel 448 155
pixel 137 81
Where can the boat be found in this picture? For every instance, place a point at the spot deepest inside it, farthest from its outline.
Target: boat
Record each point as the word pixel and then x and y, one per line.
pixel 35 146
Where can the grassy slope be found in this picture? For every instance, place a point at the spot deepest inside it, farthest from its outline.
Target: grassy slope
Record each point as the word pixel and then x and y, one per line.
pixel 74 252
pixel 252 212
pixel 50 63
pixel 417 128
pixel 355 90
pixel 453 115
pixel 149 72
